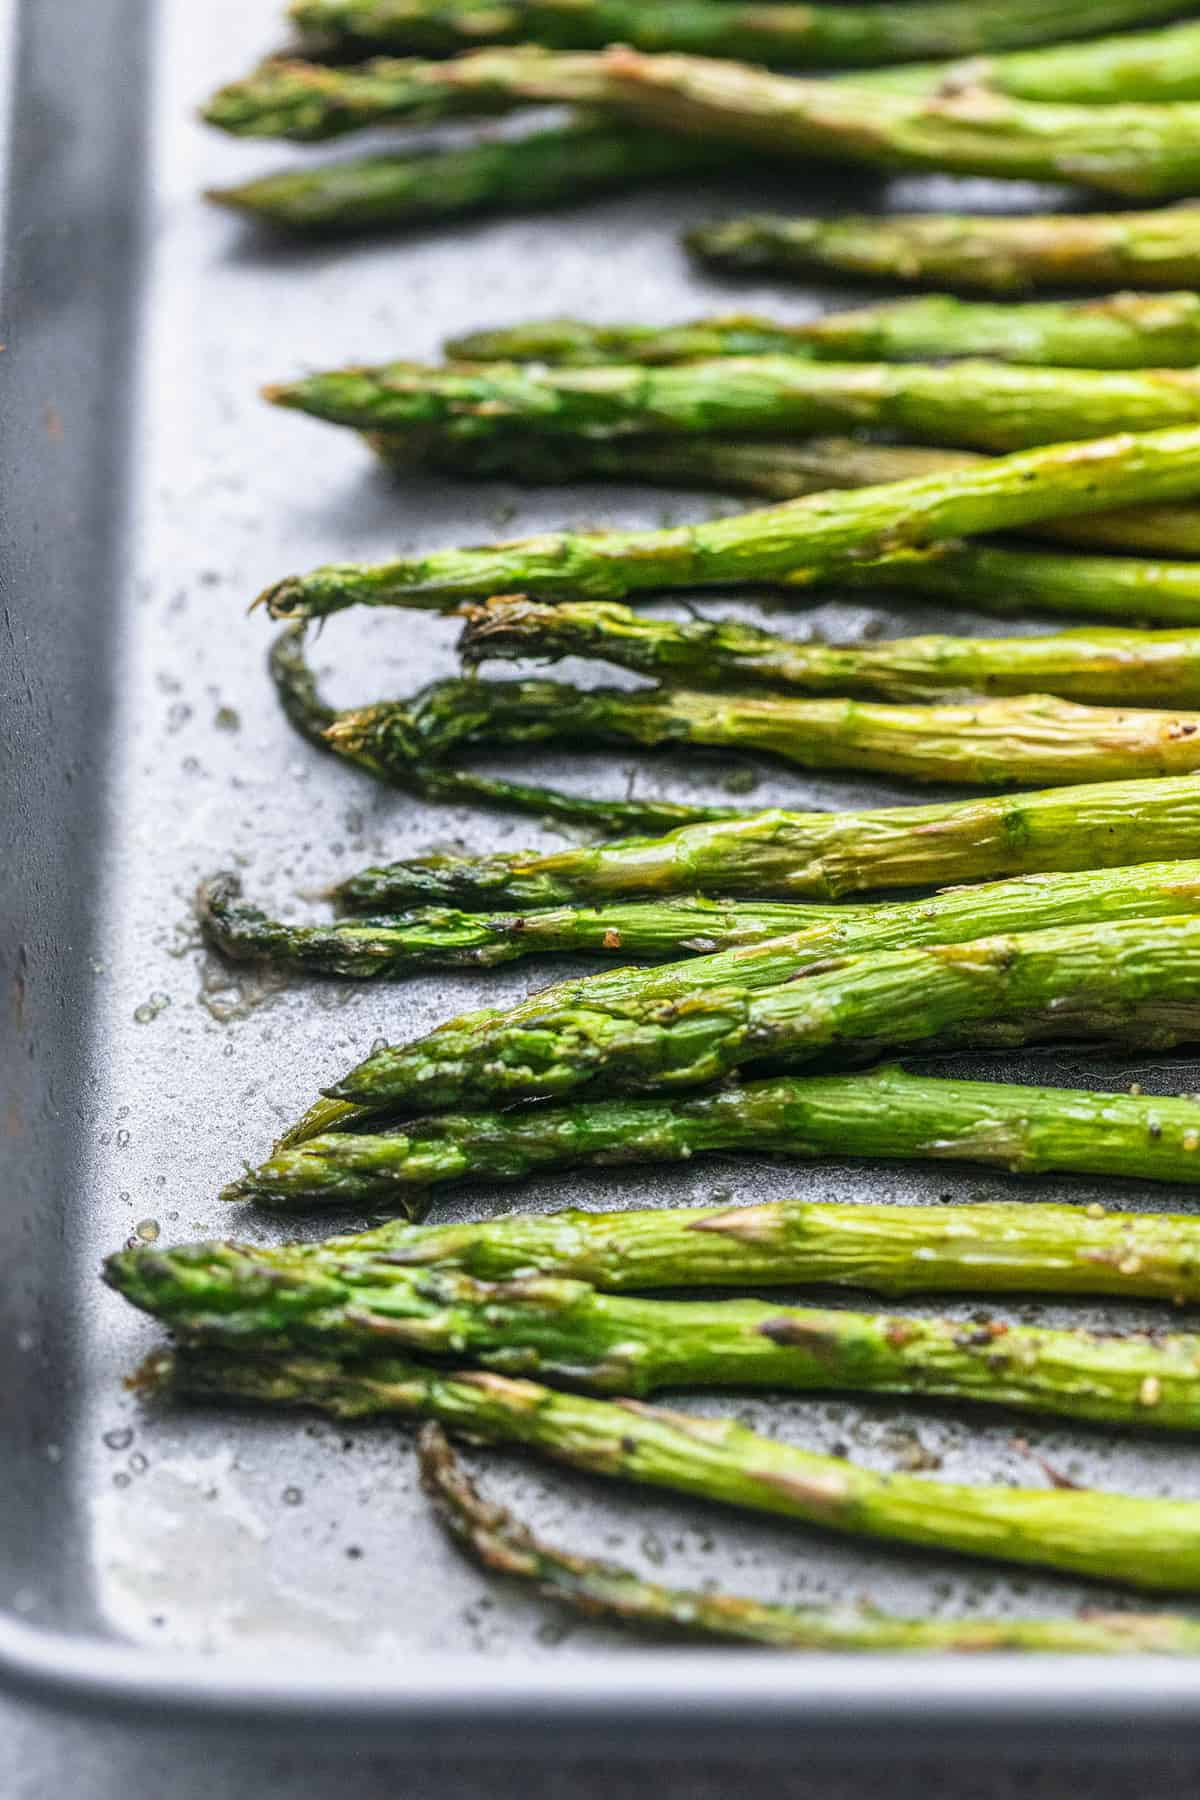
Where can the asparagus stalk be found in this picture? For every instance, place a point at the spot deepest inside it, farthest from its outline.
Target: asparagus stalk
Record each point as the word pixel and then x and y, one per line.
pixel 447 938
pixel 1138 668
pixel 799 542
pixel 1024 740
pixel 500 1544
pixel 817 856
pixel 1150 65
pixel 776 469
pixel 1144 151
pixel 1136 981
pixel 564 1331
pixel 1025 1130
pixel 1009 578
pixel 442 937
pixel 543 168
pixel 968 252
pixel 982 405
pixel 411 766
pixel 1114 1537
pixel 1003 1248
pixel 1122 331
pixel 793 36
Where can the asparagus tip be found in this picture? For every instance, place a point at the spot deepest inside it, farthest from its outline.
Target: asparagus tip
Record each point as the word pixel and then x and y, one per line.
pixel 283 599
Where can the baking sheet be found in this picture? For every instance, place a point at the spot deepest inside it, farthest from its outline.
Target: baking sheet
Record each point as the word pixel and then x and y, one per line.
pixel 216 1560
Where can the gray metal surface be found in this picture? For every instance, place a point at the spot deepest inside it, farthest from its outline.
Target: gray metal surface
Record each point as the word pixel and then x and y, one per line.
pixel 287 1567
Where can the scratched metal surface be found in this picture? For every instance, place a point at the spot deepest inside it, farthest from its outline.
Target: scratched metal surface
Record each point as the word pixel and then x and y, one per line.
pixel 202 1531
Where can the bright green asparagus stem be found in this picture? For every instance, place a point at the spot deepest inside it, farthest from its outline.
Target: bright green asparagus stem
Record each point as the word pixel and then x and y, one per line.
pixel 1023 740
pixel 564 1331
pixel 772 468
pixel 1011 578
pixel 1135 668
pixel 970 253
pixel 801 542
pixel 817 856
pixel 501 175
pixel 1146 151
pixel 411 765
pixel 883 1113
pixel 1137 982
pixel 500 1544
pixel 446 938
pixel 1123 331
pixel 790 36
pixel 1149 65
pixel 982 405
pixel 996 1249
pixel 1114 1537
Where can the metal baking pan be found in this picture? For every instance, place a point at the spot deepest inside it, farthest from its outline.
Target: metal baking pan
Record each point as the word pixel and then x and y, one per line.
pixel 286 1570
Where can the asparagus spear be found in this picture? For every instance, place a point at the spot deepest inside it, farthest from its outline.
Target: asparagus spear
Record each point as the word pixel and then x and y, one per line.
pixel 775 470
pixel 1010 578
pixel 1123 331
pixel 447 937
pixel 501 1544
pixel 796 36
pixel 411 767
pixel 799 542
pixel 970 253
pixel 1134 981
pixel 1023 740
pixel 287 97
pixel 817 856
pixel 1005 1248
pixel 1143 151
pixel 1149 65
pixel 1114 1537
pixel 983 405
pixel 1025 1130
pixel 1137 668
pixel 564 1331
pixel 543 168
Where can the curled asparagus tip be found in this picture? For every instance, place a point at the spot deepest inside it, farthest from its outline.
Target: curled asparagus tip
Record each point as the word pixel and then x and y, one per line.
pixel 283 599
pixel 501 614
pixel 214 897
pixel 296 687
pixel 487 1532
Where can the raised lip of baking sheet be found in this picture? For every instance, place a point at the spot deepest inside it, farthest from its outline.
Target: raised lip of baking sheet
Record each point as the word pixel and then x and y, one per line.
pixel 74 223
